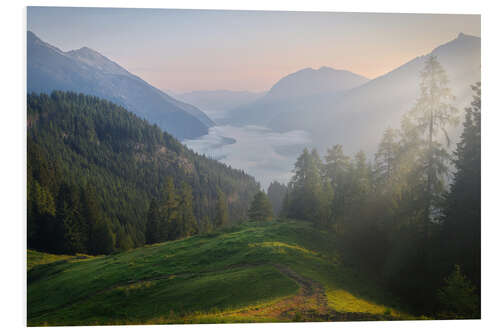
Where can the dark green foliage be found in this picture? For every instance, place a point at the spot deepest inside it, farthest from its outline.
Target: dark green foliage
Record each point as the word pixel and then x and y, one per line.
pixel 276 193
pixel 458 297
pixel 153 223
pixel 123 240
pixel 221 212
pixel 101 239
pixel 71 225
pixel 307 198
pixel 260 209
pixel 187 221
pixel 169 227
pixel 91 161
pixel 461 230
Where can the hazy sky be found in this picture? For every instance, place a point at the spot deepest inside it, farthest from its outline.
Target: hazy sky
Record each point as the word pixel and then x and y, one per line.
pixel 183 50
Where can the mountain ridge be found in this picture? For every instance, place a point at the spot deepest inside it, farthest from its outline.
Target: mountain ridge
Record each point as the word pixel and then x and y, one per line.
pixel 87 71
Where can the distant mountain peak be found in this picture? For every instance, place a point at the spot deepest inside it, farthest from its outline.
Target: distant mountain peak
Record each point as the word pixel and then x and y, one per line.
pixel 458 45
pixel 93 58
pixel 462 36
pixel 33 39
pixel 309 81
pixel 87 51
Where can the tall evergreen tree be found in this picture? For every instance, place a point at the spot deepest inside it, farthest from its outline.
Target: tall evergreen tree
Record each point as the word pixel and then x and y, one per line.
pixel 103 239
pixel 462 220
pixel 260 208
pixel 386 157
pixel 221 213
pixel 91 211
pixel 338 169
pixel 169 212
pixel 123 239
pixel 431 116
pixel 306 196
pixel 153 223
pixel 187 222
pixel 70 219
pixel 276 193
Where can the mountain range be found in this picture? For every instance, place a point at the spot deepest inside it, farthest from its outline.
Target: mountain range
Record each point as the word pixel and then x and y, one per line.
pixel 86 71
pixel 357 118
pixel 294 92
pixel 340 107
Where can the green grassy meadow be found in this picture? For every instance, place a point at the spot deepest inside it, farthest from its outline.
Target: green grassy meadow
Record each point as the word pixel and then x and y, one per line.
pixel 256 272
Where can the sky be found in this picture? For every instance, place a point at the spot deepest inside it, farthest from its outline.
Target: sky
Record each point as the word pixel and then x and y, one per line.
pixel 186 50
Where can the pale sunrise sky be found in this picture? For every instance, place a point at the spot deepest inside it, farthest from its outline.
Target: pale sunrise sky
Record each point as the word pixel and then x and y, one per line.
pixel 184 50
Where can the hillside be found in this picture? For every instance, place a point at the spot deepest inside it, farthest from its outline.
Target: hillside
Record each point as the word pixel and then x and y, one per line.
pixel 257 272
pixel 90 160
pixel 86 71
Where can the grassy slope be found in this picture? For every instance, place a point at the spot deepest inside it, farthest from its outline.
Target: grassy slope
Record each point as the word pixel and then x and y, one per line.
pixel 256 272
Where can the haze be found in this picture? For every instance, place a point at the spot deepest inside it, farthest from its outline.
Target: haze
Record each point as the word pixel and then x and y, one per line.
pixel 185 50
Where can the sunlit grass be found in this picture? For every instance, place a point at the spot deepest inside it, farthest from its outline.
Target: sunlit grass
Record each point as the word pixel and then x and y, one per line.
pixel 281 247
pixel 35 258
pixel 344 301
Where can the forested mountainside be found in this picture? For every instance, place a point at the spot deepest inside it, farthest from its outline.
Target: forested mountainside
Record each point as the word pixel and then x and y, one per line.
pixel 95 170
pixel 89 72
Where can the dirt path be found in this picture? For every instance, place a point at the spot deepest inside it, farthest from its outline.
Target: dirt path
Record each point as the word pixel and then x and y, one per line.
pixel 309 304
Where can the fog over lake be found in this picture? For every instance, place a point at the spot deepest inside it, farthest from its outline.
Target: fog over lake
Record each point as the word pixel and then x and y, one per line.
pixel 262 153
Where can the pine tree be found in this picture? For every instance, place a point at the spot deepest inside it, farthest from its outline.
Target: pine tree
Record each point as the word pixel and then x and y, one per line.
pixel 153 223
pixel 103 239
pixel 70 221
pixel 168 228
pixel 276 193
pixel 260 208
pixel 123 239
pixel 221 213
pixel 386 158
pixel 462 220
pixel 458 298
pixel 91 211
pixel 41 213
pixel 338 169
pixel 187 222
pixel 306 195
pixel 431 116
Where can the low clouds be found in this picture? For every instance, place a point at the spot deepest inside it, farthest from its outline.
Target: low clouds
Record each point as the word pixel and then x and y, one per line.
pixel 262 153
